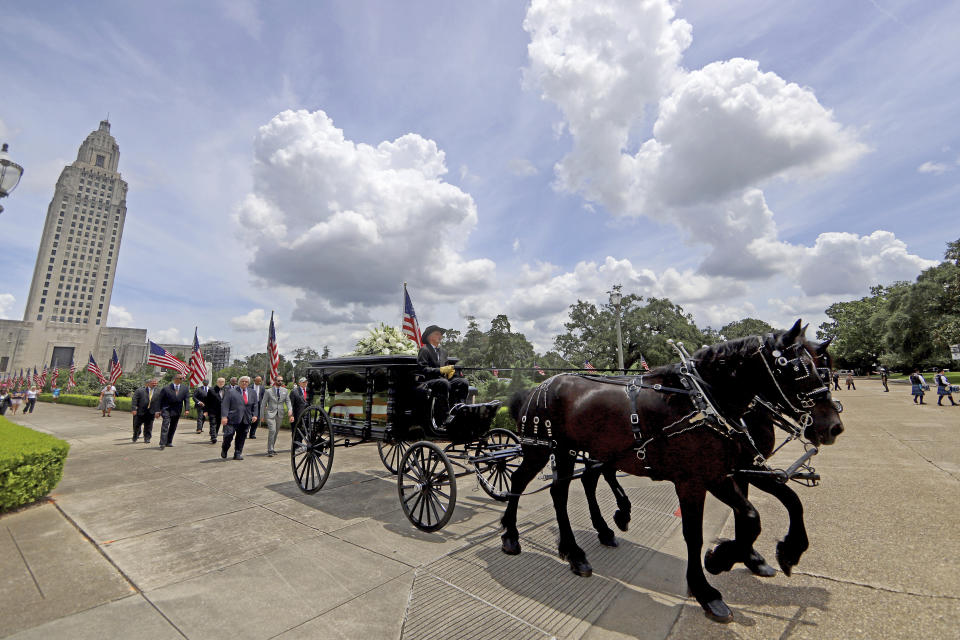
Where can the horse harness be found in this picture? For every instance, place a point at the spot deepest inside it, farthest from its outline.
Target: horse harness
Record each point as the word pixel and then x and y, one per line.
pixel 799 366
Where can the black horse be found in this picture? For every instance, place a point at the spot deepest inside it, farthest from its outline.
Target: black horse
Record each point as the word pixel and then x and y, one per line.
pixel 760 428
pixel 675 424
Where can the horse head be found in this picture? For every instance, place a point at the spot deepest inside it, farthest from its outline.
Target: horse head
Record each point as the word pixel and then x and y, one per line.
pixel 799 389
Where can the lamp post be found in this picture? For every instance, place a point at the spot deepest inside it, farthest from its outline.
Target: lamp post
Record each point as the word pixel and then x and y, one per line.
pixel 10 173
pixel 615 299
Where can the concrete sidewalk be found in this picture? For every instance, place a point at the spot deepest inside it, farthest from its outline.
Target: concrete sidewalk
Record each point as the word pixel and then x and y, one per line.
pixel 179 543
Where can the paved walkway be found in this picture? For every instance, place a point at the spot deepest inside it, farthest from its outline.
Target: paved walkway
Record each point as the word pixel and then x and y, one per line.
pixel 181 544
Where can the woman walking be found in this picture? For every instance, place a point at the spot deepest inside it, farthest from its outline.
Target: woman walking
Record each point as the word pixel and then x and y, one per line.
pixel 16 397
pixel 943 388
pixel 919 385
pixel 107 404
pixel 31 400
pixel 849 380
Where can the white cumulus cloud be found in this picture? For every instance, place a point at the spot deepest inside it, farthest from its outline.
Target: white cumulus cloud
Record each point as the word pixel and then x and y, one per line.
pixel 346 223
pixel 6 304
pixel 255 320
pixel 120 317
pixel 168 336
pixel 935 168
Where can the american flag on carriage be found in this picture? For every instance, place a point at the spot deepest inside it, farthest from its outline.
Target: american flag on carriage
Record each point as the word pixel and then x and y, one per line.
pixel 588 366
pixel 409 325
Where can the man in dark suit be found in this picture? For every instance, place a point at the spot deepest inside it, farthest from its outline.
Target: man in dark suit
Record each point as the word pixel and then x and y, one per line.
pixel 237 413
pixel 439 375
pixel 173 402
pixel 212 406
pixel 200 402
pixel 298 397
pixel 144 405
pixel 257 389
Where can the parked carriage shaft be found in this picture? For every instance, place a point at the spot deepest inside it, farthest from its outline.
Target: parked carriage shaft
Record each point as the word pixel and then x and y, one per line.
pixel 364 399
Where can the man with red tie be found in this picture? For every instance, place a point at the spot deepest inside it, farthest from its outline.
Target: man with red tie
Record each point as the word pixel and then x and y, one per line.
pixel 298 397
pixel 237 411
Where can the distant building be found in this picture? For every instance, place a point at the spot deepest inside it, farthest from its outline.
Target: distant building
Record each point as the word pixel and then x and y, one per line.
pixel 217 352
pixel 66 311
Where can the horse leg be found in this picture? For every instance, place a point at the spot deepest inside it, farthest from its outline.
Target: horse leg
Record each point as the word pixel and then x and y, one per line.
pixel 691 507
pixel 755 562
pixel 795 542
pixel 591 476
pixel 622 515
pixel 559 491
pixel 747 526
pixel 533 460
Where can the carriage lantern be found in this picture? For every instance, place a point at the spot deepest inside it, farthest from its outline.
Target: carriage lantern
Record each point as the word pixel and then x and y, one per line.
pixel 10 173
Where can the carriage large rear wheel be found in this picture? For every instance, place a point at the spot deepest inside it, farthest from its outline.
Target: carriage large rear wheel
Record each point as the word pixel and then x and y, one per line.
pixel 427 486
pixel 311 453
pixel 391 451
pixel 503 448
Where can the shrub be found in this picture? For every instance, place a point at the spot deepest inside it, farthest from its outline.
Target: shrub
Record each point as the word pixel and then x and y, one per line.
pixel 31 464
pixel 503 420
pixel 123 404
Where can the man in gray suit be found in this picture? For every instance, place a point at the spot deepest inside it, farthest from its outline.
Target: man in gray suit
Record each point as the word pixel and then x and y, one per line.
pixel 144 405
pixel 272 409
pixel 237 411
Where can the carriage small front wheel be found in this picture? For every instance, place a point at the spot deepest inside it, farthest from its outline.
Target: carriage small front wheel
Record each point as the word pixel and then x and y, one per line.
pixel 498 456
pixel 427 486
pixel 311 452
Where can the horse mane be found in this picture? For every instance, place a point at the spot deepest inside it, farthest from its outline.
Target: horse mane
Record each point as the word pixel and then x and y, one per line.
pixel 730 350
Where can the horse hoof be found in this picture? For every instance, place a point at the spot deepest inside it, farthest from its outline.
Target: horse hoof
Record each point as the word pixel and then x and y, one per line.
pixel 761 568
pixel 717 611
pixel 510 546
pixel 786 565
pixel 608 539
pixel 621 519
pixel 580 567
pixel 711 564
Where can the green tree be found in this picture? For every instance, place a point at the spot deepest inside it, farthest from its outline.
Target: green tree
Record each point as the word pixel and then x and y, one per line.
pixel 300 362
pixel 744 328
pixel 857 341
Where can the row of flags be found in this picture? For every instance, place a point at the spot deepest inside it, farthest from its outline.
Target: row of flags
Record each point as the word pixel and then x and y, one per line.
pixel 17 380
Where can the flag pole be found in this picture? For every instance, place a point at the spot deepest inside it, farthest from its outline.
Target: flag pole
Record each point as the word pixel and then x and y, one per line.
pixel 403 304
pixel 267 376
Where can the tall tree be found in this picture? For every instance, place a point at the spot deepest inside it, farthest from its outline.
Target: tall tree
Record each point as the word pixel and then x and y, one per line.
pixel 745 327
pixel 856 342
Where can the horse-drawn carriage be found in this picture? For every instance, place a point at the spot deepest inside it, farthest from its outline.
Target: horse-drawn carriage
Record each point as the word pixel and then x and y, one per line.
pixel 362 399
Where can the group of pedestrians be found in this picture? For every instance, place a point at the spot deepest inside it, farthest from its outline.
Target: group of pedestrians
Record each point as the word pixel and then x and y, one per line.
pixel 232 411
pixel 919 386
pixel 13 400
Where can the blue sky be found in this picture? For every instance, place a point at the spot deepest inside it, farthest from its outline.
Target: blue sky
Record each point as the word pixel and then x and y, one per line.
pixel 743 158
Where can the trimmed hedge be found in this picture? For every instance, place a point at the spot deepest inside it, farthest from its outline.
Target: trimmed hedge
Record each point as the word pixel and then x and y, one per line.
pixel 123 403
pixel 31 464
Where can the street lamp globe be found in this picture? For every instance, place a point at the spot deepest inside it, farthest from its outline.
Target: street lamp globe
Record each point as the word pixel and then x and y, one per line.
pixel 10 173
pixel 615 298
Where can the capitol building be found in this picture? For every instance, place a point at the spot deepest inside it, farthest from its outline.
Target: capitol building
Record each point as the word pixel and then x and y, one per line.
pixel 66 312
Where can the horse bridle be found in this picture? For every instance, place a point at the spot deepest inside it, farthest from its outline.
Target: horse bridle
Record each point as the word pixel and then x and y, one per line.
pixel 800 373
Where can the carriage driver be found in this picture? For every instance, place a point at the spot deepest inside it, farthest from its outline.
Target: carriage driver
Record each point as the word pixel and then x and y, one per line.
pixel 440 376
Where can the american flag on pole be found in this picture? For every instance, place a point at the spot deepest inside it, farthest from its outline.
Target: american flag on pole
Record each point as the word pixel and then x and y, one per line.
pixel 71 383
pixel 496 373
pixel 115 369
pixel 36 377
pixel 54 376
pixel 198 368
pixel 95 370
pixel 410 326
pixel 539 370
pixel 43 377
pixel 160 357
pixel 643 363
pixel 272 352
pixel 588 366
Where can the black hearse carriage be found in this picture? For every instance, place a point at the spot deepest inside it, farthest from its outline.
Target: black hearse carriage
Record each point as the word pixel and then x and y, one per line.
pixel 361 399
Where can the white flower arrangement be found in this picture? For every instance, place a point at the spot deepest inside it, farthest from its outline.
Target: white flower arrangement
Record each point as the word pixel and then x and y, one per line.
pixel 384 340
